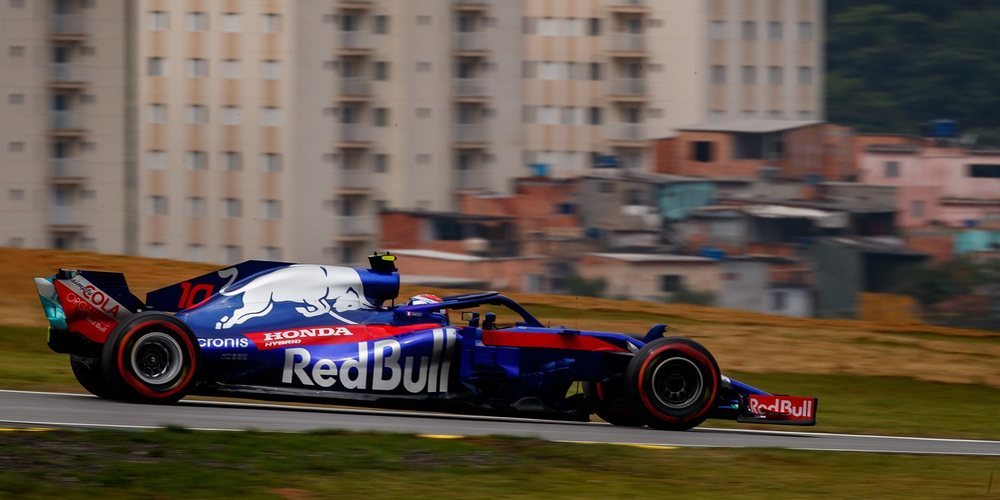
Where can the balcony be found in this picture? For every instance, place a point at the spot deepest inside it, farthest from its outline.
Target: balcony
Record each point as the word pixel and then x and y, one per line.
pixel 355 226
pixel 67 170
pixel 354 135
pixel 66 217
pixel 355 4
pixel 628 89
pixel 470 135
pixel 68 27
pixel 356 43
pixel 626 134
pixel 471 43
pixel 67 75
pixel 355 180
pixel 66 123
pixel 355 88
pixel 468 88
pixel 473 179
pixel 627 6
pixel 627 44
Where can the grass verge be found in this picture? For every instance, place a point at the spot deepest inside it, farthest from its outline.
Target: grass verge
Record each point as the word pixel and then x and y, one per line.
pixel 177 464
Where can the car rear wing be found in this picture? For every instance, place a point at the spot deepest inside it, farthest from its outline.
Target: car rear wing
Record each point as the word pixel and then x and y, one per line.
pixel 90 303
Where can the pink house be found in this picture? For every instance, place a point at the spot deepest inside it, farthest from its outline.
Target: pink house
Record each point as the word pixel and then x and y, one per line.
pixel 942 185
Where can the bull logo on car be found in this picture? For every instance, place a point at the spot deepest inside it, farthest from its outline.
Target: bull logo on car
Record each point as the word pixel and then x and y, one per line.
pixel 318 290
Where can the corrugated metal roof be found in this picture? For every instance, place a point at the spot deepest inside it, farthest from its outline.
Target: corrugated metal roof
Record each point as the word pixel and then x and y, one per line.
pixel 751 125
pixel 648 257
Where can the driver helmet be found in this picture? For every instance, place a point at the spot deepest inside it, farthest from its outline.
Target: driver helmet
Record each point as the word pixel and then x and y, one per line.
pixel 426 298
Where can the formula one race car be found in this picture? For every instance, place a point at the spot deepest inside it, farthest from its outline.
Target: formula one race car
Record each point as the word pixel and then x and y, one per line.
pixel 270 330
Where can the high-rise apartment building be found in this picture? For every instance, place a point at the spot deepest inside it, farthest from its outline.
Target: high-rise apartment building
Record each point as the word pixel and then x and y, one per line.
pixel 65 127
pixel 278 129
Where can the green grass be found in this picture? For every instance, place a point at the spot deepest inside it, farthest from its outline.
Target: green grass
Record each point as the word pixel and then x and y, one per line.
pixel 848 403
pixel 183 464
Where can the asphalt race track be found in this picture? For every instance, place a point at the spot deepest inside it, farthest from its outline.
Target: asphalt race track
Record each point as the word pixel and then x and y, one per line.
pixel 20 408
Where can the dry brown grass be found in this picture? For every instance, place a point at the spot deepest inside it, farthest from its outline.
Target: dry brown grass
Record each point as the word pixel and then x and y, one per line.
pixel 742 341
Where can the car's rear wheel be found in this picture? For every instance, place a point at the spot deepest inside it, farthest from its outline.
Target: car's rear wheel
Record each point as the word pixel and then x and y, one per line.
pixel 89 374
pixel 151 358
pixel 673 382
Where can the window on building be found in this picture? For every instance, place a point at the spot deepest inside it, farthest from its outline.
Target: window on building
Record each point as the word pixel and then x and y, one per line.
pixel 156 66
pixel 423 112
pixel 749 75
pixel 381 70
pixel 272 253
pixel 270 23
pixel 158 20
pixel 230 68
pixel 596 71
pixel 606 187
pixel 231 22
pixel 805 30
pixel 232 207
pixel 156 250
pixel 158 205
pixel 15 194
pixel 156 159
pixel 197 21
pixel 381 117
pixel 749 30
pixel 423 67
pixel 15 98
pixel 917 208
pixel 717 30
pixel 805 75
pixel 15 146
pixel 15 51
pixel 594 26
pixel 984 171
pixel 891 169
pixel 382 25
pixel 381 162
pixel 775 75
pixel 270 162
pixel 718 74
pixel 671 282
pixel 270 69
pixel 423 20
pixel 230 115
pixel 232 161
pixel 196 252
pixel 197 68
pixel 270 116
pixel 774 30
pixel 232 253
pixel 197 114
pixel 196 160
pixel 270 209
pixel 157 113
pixel 701 151
pixel 16 4
pixel 780 300
pixel 595 117
pixel 196 206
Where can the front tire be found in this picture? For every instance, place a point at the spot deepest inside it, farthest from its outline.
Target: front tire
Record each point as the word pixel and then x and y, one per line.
pixel 673 382
pixel 151 358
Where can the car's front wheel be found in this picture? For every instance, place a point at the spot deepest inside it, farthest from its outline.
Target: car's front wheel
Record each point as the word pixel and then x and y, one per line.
pixel 151 358
pixel 674 382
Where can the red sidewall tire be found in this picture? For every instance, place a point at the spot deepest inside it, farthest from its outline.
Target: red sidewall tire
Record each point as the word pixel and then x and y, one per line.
pixel 118 366
pixel 639 376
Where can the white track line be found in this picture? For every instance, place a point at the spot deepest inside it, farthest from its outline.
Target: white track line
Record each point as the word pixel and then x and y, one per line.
pixel 406 413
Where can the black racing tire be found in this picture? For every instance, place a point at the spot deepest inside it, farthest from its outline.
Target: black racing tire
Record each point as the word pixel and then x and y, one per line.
pixel 610 402
pixel 90 375
pixel 673 382
pixel 151 358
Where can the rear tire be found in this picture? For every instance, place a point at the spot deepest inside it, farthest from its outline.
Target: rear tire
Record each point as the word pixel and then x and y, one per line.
pixel 673 382
pixel 151 358
pixel 90 375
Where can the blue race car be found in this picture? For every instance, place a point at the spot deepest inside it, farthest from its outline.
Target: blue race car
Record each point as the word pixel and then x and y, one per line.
pixel 271 330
